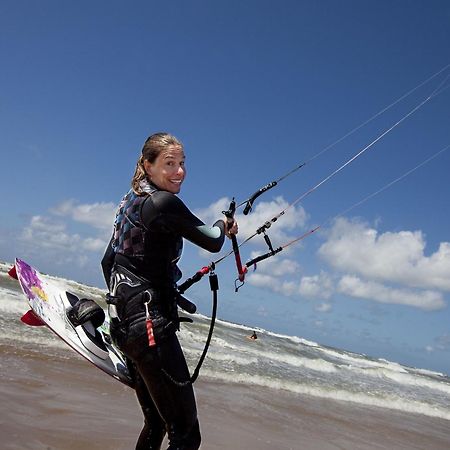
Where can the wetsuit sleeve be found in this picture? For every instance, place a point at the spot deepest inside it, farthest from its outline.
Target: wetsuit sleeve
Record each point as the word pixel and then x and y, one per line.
pixel 168 211
pixel 108 262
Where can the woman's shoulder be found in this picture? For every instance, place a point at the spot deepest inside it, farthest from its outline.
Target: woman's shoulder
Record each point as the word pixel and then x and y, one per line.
pixel 165 201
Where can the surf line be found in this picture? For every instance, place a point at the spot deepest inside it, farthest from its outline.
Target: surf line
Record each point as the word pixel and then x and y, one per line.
pixel 242 269
pixel 249 201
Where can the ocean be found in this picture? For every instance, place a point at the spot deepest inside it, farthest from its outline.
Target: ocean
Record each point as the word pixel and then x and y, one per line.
pixel 275 362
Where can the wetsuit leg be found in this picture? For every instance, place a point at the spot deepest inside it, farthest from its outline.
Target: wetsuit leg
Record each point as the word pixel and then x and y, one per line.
pixel 175 404
pixel 154 429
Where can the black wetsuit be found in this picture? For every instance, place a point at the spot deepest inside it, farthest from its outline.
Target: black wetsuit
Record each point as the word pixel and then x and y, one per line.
pixel 140 266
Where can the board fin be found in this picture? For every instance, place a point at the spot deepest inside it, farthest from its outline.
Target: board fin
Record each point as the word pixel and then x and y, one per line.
pixel 30 318
pixel 13 273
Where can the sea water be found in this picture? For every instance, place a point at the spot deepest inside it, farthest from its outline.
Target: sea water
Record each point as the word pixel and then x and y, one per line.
pixel 273 361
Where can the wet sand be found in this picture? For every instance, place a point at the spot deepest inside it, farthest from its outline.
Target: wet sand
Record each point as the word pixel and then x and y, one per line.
pixel 64 403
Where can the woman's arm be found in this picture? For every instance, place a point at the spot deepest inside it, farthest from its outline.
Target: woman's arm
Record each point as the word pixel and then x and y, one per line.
pixel 169 211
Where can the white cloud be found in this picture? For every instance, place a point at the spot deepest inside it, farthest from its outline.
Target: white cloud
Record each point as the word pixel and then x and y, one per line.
pixel 317 286
pixel 294 219
pixel 355 248
pixel 45 232
pixel 94 244
pixel 389 268
pixel 371 290
pixel 272 283
pixel 276 266
pixel 53 235
pixel 283 276
pixel 273 274
pixel 99 215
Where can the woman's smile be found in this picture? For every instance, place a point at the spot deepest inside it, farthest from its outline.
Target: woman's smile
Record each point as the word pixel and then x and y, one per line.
pixel 168 171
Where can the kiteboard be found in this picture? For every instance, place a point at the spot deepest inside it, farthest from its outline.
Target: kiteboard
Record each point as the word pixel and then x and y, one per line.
pixel 54 307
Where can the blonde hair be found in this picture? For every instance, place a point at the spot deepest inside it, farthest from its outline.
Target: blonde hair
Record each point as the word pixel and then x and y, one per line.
pixel 153 146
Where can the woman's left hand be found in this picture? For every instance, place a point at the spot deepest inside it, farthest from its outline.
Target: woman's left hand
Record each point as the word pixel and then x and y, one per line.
pixel 231 228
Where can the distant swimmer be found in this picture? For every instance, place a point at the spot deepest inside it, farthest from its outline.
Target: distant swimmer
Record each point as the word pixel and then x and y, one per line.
pixel 253 336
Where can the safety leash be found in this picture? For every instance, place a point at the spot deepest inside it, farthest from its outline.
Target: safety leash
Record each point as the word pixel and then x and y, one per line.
pixel 214 285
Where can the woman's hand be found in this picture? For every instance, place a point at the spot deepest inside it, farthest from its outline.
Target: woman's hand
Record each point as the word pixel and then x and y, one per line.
pixel 231 227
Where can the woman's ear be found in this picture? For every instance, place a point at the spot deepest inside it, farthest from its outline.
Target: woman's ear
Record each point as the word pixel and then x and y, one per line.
pixel 148 168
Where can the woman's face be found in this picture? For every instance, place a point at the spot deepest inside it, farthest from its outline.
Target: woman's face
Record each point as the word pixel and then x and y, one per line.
pixel 167 172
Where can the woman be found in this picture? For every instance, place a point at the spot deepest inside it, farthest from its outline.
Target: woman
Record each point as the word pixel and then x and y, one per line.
pixel 140 267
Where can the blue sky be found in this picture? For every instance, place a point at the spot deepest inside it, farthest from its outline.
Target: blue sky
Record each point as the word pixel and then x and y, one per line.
pixel 252 88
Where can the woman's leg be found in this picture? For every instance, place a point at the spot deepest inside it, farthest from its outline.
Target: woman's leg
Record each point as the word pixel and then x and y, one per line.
pixel 161 367
pixel 154 429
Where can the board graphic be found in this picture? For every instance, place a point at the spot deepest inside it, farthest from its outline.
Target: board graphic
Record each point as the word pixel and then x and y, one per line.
pixel 54 307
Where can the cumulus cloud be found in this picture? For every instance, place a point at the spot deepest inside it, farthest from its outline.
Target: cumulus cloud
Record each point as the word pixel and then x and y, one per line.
pixel 354 247
pixel 371 290
pixel 56 236
pixel 276 266
pixel 274 274
pixel 284 276
pixel 94 244
pixel 317 286
pixel 287 226
pixel 389 267
pixel 273 283
pixel 47 233
pixel 99 215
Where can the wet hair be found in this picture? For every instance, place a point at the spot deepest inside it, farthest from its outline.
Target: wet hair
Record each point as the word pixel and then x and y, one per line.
pixel 153 146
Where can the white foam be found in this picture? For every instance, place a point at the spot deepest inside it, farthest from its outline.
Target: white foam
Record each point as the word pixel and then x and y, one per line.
pixel 381 383
pixel 406 379
pixel 233 359
pixel 5 267
pixel 389 402
pixel 429 373
pixel 12 302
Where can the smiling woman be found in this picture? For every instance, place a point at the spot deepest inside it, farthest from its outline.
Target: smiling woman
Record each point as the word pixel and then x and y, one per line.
pixel 140 268
pixel 162 161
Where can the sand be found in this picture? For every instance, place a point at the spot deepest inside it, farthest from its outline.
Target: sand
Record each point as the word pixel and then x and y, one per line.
pixel 66 403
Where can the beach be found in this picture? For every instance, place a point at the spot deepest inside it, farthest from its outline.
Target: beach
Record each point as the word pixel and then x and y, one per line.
pixel 279 392
pixel 60 401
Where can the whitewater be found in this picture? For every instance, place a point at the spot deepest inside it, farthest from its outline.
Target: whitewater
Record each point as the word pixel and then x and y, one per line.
pixel 273 361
